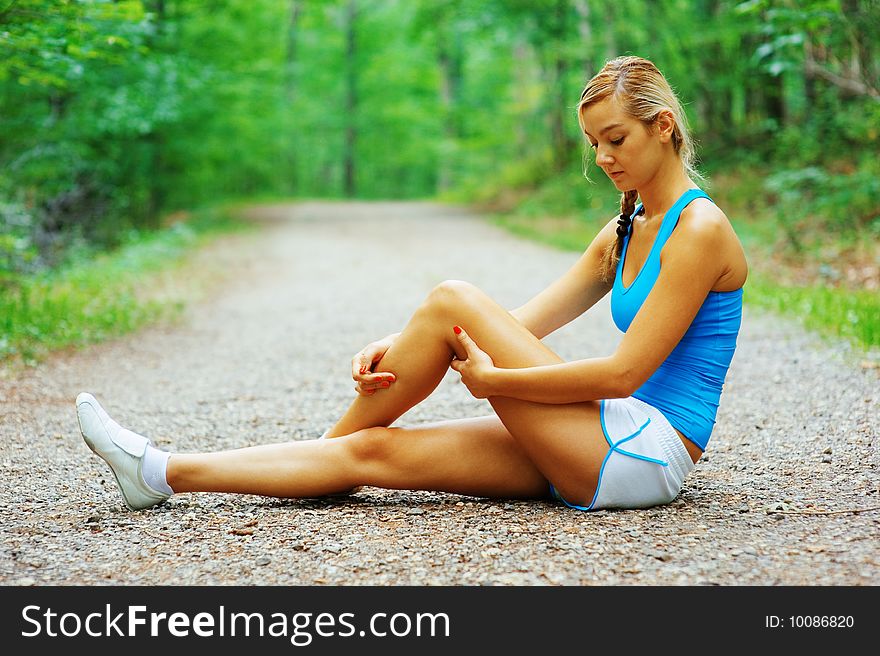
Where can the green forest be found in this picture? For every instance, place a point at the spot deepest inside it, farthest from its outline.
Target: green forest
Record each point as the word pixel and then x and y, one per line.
pixel 117 115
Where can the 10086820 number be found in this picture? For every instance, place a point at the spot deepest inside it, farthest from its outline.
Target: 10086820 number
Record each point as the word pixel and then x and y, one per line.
pixel 821 621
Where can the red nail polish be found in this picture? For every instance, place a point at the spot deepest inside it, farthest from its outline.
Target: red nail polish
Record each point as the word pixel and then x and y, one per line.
pixel 457 330
pixel 385 384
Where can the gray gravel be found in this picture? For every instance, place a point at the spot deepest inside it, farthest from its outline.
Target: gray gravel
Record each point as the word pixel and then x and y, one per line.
pixel 267 359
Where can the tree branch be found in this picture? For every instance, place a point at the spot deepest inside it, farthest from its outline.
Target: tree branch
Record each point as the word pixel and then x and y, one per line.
pixel 855 87
pixel 823 512
pixel 7 10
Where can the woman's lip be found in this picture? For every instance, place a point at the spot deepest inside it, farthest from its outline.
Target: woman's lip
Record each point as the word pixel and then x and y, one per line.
pixel 615 174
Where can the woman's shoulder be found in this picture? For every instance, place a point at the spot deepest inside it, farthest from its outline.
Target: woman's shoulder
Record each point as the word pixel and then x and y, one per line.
pixel 703 214
pixel 704 228
pixel 704 224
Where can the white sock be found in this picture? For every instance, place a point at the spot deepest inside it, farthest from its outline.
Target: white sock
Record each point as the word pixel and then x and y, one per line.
pixel 153 470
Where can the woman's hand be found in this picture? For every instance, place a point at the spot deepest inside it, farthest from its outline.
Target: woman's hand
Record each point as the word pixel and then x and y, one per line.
pixel 363 363
pixel 477 369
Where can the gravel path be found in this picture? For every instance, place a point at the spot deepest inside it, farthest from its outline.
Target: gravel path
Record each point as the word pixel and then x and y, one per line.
pixel 268 359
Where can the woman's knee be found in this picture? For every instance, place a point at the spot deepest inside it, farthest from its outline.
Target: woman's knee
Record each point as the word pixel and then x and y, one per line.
pixel 452 295
pixel 369 445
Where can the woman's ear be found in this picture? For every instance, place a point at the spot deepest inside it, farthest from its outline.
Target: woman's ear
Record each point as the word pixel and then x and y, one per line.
pixel 665 123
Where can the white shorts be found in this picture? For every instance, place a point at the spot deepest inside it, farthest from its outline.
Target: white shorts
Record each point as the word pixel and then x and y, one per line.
pixel 646 463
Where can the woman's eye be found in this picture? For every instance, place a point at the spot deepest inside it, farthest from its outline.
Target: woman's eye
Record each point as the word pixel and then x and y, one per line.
pixel 594 146
pixel 617 142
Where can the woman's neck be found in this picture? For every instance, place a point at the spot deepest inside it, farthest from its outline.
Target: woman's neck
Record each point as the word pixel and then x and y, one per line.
pixel 666 187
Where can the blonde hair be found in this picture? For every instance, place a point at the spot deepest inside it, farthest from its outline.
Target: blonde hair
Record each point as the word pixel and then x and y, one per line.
pixel 642 91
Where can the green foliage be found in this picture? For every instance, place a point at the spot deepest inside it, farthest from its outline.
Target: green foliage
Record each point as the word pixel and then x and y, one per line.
pixel 853 314
pixel 17 251
pixel 93 295
pixel 839 203
pixel 105 108
pixel 113 114
pixel 595 200
pixel 568 233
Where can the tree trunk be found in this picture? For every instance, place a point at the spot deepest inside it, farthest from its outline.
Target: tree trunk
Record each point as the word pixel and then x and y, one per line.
pixel 610 41
pixel 585 31
pixel 521 71
pixel 562 144
pixel 717 91
pixel 160 18
pixel 350 99
pixel 809 81
pixel 290 94
pixel 156 201
pixel 449 59
pixel 774 98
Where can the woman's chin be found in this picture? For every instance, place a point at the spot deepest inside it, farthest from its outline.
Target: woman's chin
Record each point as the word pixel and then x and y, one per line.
pixel 621 184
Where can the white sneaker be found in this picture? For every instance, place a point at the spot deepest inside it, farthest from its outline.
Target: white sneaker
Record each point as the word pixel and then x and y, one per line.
pixel 120 448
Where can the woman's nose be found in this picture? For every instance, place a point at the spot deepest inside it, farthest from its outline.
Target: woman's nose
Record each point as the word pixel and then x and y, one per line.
pixel 602 157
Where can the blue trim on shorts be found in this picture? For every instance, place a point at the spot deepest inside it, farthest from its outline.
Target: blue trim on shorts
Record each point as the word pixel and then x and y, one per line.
pixel 613 447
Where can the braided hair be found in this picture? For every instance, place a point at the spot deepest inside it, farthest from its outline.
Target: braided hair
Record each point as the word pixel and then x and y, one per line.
pixel 614 250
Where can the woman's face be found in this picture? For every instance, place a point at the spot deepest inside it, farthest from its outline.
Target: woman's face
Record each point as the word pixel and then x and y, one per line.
pixel 625 149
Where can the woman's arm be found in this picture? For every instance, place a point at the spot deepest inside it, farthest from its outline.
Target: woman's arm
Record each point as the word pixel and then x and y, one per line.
pixel 575 292
pixel 690 267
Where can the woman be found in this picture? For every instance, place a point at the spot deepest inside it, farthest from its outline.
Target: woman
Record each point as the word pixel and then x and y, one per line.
pixel 615 432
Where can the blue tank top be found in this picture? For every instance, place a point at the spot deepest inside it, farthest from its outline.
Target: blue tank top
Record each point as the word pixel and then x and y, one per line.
pixel 686 388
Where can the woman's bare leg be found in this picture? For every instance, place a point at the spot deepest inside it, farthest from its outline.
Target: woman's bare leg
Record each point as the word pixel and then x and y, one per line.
pixel 560 443
pixel 564 441
pixel 467 456
pixel 420 356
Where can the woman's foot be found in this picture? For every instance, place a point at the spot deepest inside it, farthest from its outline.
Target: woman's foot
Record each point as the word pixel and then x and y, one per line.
pixel 120 448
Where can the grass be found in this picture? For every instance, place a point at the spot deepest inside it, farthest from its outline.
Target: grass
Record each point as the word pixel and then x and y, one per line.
pixel 797 284
pixel 568 233
pixel 96 296
pixel 852 314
